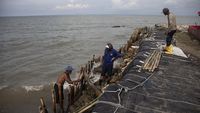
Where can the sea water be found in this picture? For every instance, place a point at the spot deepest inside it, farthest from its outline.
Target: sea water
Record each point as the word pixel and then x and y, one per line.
pixel 34 50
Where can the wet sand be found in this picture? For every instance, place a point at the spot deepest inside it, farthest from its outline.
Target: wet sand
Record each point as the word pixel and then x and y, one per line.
pixel 188 44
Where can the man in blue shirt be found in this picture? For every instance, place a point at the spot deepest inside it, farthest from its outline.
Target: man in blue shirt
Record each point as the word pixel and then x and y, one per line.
pixel 110 55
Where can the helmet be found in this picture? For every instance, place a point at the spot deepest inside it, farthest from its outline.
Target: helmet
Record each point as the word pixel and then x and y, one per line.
pixel 69 69
pixel 166 11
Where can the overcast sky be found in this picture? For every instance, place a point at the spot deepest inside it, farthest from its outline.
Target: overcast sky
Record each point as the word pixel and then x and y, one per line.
pixel 76 7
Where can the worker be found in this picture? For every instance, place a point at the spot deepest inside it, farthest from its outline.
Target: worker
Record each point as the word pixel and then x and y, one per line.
pixel 170 31
pixel 58 87
pixel 110 55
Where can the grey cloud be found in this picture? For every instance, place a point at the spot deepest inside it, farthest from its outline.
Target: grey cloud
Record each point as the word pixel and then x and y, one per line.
pixel 138 7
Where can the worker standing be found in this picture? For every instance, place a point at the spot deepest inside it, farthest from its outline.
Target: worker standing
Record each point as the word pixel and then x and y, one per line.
pixel 170 31
pixel 110 55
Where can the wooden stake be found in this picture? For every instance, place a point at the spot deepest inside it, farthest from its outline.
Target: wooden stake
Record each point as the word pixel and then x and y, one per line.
pixel 42 108
pixel 88 106
pixel 53 98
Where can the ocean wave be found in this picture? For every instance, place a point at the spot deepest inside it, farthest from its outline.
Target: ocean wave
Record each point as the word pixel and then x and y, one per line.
pixel 65 85
pixel 2 87
pixel 33 88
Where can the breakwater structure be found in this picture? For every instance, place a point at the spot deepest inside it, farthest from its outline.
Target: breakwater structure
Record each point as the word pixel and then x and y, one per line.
pixel 145 80
pixel 173 87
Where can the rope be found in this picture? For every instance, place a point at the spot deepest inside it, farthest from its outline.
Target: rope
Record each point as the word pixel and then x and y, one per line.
pixel 132 81
pixel 116 109
pixel 141 84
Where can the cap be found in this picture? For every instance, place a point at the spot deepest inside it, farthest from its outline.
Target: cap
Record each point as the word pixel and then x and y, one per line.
pixel 165 10
pixel 110 45
pixel 69 68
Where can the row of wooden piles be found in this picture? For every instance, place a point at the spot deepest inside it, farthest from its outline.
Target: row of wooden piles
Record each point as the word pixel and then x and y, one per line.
pixel 128 50
pixel 82 97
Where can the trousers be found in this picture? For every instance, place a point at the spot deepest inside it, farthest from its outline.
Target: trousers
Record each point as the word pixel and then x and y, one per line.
pixel 170 37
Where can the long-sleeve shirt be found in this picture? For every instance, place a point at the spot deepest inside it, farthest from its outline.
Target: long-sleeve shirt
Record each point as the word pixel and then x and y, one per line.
pixel 171 21
pixel 109 56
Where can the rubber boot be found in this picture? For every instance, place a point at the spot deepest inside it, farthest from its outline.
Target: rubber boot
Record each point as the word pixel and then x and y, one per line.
pixel 169 49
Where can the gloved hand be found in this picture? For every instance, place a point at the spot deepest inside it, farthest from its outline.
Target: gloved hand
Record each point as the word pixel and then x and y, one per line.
pixel 113 59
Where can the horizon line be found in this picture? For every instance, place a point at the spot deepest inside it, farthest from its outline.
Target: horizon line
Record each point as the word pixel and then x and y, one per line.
pixel 89 15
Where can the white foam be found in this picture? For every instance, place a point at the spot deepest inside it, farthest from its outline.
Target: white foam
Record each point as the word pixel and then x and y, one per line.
pixel 65 85
pixel 2 87
pixel 33 88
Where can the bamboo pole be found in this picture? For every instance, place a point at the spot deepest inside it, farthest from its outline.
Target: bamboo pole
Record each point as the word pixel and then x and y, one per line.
pixel 42 102
pixel 147 60
pixel 42 108
pixel 91 64
pixel 154 62
pixel 88 106
pixel 86 68
pixel 158 59
pixel 53 98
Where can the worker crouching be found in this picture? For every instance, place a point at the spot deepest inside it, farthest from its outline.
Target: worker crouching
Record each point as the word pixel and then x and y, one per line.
pixel 58 88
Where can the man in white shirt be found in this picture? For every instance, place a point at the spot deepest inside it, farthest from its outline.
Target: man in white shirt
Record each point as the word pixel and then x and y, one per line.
pixel 171 30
